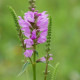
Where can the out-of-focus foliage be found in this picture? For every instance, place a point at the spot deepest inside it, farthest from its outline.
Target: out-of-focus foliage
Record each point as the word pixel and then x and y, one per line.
pixel 65 44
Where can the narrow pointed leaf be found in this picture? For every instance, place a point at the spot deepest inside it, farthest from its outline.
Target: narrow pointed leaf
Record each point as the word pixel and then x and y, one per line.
pixel 23 69
pixel 54 72
pixel 50 65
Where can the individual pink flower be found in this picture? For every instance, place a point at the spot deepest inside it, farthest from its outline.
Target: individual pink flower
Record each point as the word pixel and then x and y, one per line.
pixel 29 16
pixel 37 14
pixel 42 21
pixel 42 39
pixel 28 42
pixel 28 53
pixel 50 58
pixel 26 32
pixel 33 36
pixel 44 33
pixel 23 23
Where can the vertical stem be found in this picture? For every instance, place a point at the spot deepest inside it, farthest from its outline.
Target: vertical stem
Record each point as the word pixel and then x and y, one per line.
pixel 34 63
pixel 32 5
pixel 46 70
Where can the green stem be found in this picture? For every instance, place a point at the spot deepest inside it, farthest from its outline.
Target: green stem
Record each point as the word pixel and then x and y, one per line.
pixel 46 70
pixel 34 64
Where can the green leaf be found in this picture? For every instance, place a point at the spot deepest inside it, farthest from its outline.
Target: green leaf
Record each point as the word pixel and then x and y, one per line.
pixel 55 71
pixel 51 65
pixel 23 68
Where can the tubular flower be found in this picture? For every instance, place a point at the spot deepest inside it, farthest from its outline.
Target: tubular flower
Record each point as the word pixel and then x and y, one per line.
pixel 33 36
pixel 28 53
pixel 28 42
pixel 34 26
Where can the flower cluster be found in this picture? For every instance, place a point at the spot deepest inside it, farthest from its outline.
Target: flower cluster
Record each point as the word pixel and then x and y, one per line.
pixel 34 26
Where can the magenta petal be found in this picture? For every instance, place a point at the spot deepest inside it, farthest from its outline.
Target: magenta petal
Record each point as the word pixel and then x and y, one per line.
pixel 33 36
pixel 28 42
pixel 28 53
pixel 26 32
pixel 42 39
pixel 29 16
pixel 44 33
pixel 23 23
pixel 42 29
pixel 42 21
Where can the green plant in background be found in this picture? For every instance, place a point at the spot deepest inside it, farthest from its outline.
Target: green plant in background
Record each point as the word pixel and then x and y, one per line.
pixel 34 30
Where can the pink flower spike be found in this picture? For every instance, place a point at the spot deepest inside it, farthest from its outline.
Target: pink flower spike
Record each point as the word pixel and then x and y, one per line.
pixel 33 36
pixel 28 53
pixel 28 42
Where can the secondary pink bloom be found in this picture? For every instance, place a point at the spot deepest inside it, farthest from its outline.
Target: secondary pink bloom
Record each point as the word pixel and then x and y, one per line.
pixel 29 16
pixel 33 36
pixel 42 59
pixel 28 53
pixel 28 42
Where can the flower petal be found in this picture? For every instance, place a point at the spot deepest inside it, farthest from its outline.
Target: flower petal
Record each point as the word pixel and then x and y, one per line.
pixel 28 42
pixel 33 36
pixel 23 23
pixel 28 53
pixel 29 16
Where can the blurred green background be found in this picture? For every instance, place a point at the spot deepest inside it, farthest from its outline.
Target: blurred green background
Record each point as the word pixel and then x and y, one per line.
pixel 65 45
